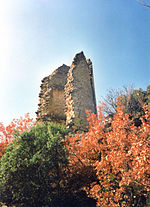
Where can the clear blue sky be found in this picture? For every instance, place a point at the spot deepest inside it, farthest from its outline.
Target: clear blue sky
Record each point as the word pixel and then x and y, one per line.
pixel 37 36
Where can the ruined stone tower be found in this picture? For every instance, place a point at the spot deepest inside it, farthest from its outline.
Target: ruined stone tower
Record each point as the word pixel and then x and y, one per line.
pixel 79 92
pixel 51 105
pixel 67 93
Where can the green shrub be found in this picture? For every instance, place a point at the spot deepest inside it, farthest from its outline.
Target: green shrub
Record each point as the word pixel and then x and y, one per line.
pixel 31 170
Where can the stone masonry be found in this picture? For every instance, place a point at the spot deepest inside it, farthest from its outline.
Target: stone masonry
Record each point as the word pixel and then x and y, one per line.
pixel 67 93
pixel 51 105
pixel 79 92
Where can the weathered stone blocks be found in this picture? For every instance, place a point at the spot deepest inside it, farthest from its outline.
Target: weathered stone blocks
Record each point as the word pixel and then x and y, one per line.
pixel 52 100
pixel 79 92
pixel 67 93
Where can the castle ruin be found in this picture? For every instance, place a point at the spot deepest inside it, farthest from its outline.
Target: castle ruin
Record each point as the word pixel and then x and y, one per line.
pixel 67 93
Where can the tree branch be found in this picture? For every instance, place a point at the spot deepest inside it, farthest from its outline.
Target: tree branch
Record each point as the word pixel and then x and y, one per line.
pixel 144 4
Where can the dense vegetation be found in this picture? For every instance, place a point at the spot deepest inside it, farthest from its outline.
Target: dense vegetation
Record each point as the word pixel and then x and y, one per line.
pixel 42 165
pixel 131 99
pixel 116 161
pixel 32 166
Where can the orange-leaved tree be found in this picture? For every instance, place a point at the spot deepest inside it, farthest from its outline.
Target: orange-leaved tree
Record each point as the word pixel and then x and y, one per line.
pixel 7 134
pixel 119 157
pixel 84 152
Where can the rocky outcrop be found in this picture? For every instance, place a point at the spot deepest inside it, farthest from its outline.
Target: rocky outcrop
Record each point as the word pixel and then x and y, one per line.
pixel 67 93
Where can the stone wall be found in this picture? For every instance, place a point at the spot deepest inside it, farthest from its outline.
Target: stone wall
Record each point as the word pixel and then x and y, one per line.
pixel 67 93
pixel 51 105
pixel 79 92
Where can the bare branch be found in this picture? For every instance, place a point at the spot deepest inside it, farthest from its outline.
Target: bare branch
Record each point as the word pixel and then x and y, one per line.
pixel 145 3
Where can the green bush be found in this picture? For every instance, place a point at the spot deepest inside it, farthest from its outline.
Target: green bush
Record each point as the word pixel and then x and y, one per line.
pixel 31 170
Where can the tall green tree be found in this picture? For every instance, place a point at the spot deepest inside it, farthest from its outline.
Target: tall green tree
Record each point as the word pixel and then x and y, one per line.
pixel 32 168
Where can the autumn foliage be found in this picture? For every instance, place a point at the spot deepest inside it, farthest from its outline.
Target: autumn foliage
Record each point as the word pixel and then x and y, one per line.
pixel 112 164
pixel 7 134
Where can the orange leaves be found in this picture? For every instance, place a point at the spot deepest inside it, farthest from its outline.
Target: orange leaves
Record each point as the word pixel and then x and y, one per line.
pixel 119 155
pixel 3 146
pixel 7 134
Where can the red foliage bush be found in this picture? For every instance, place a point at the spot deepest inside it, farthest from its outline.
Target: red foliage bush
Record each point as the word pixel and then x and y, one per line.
pixel 119 157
